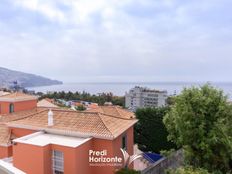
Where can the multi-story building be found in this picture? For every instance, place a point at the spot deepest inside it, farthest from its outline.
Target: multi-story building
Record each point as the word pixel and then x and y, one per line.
pixel 38 140
pixel 139 97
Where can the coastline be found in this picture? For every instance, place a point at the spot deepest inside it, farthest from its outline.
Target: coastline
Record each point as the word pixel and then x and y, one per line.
pixel 120 88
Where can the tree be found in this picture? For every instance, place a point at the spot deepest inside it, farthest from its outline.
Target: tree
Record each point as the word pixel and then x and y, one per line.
pixel 200 121
pixel 100 99
pixel 170 100
pixel 188 170
pixel 150 132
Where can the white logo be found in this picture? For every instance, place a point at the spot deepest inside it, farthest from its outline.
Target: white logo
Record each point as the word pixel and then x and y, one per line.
pixel 101 158
pixel 129 159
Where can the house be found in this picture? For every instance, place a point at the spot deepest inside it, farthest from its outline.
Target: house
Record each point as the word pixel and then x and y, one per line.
pixel 47 103
pixel 39 140
pixel 86 104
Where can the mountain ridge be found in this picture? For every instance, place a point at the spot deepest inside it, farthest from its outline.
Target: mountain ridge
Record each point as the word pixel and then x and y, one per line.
pixel 8 76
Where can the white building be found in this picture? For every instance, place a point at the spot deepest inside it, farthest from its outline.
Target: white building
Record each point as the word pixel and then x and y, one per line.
pixel 139 97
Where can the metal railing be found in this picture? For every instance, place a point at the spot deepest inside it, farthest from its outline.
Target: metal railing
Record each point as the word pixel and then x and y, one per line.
pixel 175 160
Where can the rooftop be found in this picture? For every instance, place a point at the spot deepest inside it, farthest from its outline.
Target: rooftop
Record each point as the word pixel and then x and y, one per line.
pixel 115 111
pixel 81 123
pixel 105 123
pixel 4 134
pixel 17 96
pixel 43 139
pixel 145 89
pixel 46 103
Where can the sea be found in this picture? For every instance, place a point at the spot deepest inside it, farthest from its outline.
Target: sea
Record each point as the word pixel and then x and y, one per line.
pixel 120 89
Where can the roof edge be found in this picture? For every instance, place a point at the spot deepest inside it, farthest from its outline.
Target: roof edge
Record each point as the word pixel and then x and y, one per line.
pixel 17 99
pixel 126 128
pixel 61 132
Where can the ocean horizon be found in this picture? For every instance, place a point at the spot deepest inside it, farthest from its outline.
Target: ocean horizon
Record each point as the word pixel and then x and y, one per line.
pixel 120 88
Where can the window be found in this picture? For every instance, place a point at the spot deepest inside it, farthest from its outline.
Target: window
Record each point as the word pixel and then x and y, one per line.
pixel 57 162
pixel 11 109
pixel 124 142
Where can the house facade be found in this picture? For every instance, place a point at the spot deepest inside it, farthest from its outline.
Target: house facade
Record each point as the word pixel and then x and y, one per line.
pixel 44 141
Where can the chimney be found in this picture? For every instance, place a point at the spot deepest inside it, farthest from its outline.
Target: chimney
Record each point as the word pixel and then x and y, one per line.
pixel 50 118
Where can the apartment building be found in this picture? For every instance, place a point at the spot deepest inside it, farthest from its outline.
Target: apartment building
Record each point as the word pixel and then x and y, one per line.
pixel 39 140
pixel 140 97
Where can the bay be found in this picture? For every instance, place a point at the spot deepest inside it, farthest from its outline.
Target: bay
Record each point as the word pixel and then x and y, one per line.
pixel 119 89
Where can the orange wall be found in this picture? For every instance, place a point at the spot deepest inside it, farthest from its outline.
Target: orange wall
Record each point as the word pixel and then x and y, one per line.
pixel 19 132
pixel 130 144
pixel 5 151
pixel 113 149
pixel 4 107
pixel 18 106
pixel 99 145
pixel 30 158
pixel 38 160
pixel 8 151
pixel 25 105
pixel 70 164
pixel 47 162
pixel 82 158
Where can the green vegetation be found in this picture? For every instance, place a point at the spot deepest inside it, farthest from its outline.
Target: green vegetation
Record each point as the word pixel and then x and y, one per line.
pixel 127 171
pixel 200 122
pixel 188 170
pixel 80 108
pixel 170 100
pixel 100 99
pixel 150 132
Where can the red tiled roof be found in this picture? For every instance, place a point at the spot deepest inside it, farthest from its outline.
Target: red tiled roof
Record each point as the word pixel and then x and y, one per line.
pixel 46 103
pixel 86 123
pixel 4 135
pixel 116 111
pixel 17 96
pixel 106 122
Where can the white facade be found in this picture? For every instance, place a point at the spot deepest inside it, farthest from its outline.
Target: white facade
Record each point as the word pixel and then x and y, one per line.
pixel 139 97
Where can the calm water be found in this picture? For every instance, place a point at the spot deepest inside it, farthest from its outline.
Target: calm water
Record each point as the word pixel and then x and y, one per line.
pixel 121 88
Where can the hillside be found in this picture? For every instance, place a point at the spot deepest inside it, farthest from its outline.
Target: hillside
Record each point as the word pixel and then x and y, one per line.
pixel 7 77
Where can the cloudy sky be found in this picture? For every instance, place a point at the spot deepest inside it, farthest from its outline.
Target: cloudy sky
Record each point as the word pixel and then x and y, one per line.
pixel 118 40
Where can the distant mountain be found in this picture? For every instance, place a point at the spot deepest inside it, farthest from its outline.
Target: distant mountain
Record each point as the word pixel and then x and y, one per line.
pixel 7 77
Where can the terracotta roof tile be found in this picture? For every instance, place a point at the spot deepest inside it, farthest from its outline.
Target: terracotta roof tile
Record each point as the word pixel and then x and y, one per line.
pixel 116 111
pixel 91 123
pixel 4 134
pixel 104 122
pixel 19 115
pixel 18 96
pixel 46 103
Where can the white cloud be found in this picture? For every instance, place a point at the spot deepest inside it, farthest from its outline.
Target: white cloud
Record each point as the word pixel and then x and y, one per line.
pixel 104 40
pixel 46 8
pixel 79 11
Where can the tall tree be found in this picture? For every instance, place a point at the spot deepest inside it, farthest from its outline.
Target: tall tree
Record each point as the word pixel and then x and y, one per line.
pixel 150 132
pixel 200 121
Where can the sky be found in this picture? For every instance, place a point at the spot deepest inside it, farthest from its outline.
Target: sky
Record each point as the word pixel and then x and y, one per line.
pixel 118 40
